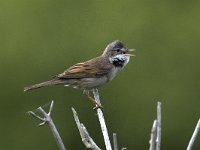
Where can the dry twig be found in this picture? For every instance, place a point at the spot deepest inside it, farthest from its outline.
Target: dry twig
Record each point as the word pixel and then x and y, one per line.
pixel 194 136
pixel 115 141
pixel 87 140
pixel 47 120
pixel 158 140
pixel 102 121
pixel 152 141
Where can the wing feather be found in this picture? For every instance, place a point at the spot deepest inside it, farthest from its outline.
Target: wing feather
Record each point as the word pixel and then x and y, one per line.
pixel 93 68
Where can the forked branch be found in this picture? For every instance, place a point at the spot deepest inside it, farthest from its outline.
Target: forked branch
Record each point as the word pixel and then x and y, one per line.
pixel 46 119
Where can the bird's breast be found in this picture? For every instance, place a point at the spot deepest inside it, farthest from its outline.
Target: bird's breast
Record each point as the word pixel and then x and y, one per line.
pixel 89 83
pixel 113 72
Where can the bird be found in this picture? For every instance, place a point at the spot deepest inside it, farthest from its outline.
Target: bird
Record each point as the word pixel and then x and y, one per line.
pixel 93 73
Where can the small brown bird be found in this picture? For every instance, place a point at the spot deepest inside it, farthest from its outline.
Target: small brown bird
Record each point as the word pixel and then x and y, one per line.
pixel 92 73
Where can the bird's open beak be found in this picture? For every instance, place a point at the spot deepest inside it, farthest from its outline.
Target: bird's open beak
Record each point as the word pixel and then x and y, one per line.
pixel 128 55
pixel 129 50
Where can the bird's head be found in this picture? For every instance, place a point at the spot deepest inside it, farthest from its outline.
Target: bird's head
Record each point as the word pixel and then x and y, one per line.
pixel 116 50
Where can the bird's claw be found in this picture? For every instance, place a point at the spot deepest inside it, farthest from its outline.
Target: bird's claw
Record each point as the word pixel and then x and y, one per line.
pixel 98 106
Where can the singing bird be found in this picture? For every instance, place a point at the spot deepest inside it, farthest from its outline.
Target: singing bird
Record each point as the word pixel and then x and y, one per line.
pixel 92 73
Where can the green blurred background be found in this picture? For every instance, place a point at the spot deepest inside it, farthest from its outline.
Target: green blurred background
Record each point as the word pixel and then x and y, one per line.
pixel 40 38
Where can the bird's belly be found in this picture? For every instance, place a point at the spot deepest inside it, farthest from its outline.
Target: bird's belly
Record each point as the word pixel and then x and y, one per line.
pixel 89 83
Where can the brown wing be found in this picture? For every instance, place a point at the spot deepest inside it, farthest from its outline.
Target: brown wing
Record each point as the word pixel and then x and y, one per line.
pixel 93 68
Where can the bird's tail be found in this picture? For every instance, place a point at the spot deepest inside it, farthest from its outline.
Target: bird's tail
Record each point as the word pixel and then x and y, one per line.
pixel 44 84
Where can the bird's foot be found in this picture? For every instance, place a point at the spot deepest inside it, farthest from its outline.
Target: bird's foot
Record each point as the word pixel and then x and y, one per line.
pixel 98 106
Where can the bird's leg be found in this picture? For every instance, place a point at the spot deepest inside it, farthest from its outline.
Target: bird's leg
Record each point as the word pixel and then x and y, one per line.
pixel 97 105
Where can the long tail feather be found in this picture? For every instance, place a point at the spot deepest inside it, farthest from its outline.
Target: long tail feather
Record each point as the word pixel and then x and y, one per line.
pixel 44 84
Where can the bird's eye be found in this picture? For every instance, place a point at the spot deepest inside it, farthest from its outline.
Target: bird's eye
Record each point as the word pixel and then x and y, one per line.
pixel 118 50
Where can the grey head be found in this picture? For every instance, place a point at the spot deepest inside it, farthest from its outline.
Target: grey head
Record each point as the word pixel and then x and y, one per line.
pixel 114 48
pixel 117 53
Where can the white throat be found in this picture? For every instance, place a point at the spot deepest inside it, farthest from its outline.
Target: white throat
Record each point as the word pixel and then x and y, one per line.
pixel 120 59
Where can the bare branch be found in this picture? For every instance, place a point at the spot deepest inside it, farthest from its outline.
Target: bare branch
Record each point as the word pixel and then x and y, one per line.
pixel 47 119
pixel 51 108
pixel 87 140
pixel 115 141
pixel 194 136
pixel 152 141
pixel 102 121
pixel 36 116
pixel 158 140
